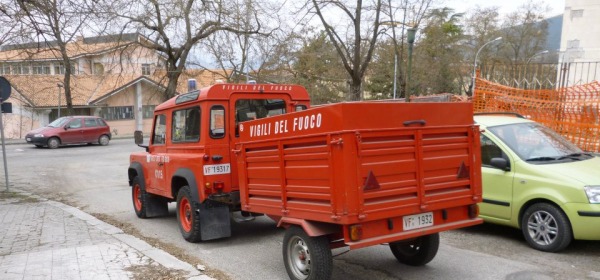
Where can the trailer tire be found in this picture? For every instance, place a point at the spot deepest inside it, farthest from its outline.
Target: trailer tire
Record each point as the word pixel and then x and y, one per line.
pixel 306 257
pixel 188 216
pixel 139 198
pixel 417 251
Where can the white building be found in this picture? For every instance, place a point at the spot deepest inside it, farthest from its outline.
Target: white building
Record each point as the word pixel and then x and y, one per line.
pixel 580 42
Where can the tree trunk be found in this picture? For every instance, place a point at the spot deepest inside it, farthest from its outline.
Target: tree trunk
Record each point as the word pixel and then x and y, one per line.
pixel 355 93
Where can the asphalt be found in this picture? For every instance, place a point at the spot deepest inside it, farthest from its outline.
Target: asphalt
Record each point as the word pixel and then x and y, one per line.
pixel 44 239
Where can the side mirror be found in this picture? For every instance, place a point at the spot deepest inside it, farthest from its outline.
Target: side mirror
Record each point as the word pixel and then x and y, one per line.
pixel 138 136
pixel 500 163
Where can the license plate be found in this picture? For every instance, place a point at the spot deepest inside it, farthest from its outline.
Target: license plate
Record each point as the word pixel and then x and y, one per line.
pixel 418 221
pixel 217 169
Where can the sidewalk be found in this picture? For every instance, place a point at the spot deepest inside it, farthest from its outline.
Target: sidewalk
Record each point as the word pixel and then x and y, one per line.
pixel 42 239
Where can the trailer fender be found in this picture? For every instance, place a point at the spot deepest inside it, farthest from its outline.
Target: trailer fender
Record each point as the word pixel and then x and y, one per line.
pixel 311 228
pixel 187 175
pixel 136 169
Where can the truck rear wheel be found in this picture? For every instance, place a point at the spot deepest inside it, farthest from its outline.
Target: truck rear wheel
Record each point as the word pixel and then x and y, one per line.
pixel 139 198
pixel 188 216
pixel 306 257
pixel 417 251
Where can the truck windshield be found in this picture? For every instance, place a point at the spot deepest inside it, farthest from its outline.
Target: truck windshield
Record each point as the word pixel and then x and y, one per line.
pixel 535 142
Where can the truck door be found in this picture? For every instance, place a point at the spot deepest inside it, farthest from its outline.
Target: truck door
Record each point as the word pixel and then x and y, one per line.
pixel 157 157
pixel 218 168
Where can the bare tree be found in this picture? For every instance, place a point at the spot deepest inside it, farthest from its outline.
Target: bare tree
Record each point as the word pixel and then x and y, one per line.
pixel 524 32
pixel 174 27
pixel 56 23
pixel 355 40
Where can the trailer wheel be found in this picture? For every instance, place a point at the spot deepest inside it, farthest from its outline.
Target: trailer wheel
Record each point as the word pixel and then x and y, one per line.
pixel 306 257
pixel 418 251
pixel 139 198
pixel 188 216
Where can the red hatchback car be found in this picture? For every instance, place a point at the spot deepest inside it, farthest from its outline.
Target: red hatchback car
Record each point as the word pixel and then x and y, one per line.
pixel 71 130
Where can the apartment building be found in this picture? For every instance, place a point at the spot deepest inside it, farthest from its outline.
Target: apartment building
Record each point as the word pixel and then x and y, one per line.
pixel 112 77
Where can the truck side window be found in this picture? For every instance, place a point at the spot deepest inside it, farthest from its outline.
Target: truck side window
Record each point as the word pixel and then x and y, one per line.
pixel 253 109
pixel 217 121
pixel 300 108
pixel 160 128
pixel 185 126
pixel 490 150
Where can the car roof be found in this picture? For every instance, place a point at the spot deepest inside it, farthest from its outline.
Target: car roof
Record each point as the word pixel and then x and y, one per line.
pixel 495 120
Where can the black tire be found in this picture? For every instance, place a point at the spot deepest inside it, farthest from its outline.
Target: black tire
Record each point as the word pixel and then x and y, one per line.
pixel 417 251
pixel 188 216
pixel 546 227
pixel 139 198
pixel 53 143
pixel 103 140
pixel 306 257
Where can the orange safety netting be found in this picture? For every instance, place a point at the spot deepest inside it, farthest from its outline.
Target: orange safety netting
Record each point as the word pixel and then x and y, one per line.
pixel 572 111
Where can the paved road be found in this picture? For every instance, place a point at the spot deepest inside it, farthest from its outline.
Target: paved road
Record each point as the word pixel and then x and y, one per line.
pixel 94 178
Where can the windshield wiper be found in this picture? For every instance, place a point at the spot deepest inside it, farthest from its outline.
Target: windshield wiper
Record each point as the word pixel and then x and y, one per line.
pixel 574 155
pixel 541 159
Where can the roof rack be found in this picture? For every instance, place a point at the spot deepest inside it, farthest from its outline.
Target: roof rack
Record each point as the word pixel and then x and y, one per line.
pixel 500 113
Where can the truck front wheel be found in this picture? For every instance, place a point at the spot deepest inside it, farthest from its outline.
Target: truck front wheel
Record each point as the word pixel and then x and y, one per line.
pixel 306 257
pixel 188 216
pixel 417 251
pixel 139 198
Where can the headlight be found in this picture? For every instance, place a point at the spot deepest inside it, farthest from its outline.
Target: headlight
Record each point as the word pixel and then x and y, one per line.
pixel 38 135
pixel 593 193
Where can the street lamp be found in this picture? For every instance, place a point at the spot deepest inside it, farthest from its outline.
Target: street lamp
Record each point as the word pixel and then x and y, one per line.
pixel 410 39
pixel 394 24
pixel 475 64
pixel 536 54
pixel 59 85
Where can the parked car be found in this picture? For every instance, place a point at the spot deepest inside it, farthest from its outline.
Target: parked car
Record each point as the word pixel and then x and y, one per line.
pixel 536 180
pixel 71 130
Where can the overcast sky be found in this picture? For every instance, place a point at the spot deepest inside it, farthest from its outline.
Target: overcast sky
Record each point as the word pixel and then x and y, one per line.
pixel 506 6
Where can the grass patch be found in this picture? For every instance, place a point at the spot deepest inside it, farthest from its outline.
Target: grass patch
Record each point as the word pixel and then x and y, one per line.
pixel 16 198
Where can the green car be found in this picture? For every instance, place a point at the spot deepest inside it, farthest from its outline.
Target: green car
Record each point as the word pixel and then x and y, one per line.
pixel 536 180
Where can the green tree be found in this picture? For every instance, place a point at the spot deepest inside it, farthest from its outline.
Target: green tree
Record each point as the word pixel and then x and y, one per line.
pixel 437 55
pixel 524 32
pixel 318 68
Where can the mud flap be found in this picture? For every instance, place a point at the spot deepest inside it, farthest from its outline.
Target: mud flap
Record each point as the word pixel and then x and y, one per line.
pixel 156 206
pixel 214 221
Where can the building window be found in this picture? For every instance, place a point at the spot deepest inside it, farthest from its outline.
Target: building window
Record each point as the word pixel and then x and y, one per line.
pixel 117 113
pixel 5 69
pixel 146 69
pixel 59 68
pixel 186 125
pixel 98 68
pixel 148 111
pixel 24 69
pixel 41 69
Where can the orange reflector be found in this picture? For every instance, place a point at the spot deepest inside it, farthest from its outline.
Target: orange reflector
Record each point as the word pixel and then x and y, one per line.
pixel 356 232
pixel 463 172
pixel 473 211
pixel 371 182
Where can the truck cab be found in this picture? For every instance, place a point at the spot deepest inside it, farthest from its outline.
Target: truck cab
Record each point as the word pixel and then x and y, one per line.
pixel 192 145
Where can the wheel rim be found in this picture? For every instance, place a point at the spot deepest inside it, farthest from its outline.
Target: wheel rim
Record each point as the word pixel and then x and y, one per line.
pixel 185 214
pixel 542 228
pixel 103 140
pixel 53 143
pixel 137 197
pixel 299 257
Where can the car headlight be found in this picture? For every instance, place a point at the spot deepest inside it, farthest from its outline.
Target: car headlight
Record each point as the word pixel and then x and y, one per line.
pixel 593 193
pixel 38 135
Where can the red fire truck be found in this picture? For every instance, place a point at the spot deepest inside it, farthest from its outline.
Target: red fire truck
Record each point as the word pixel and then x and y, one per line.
pixel 350 175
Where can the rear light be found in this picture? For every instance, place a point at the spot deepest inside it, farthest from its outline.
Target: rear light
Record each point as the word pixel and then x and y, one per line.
pixel 206 157
pixel 207 188
pixel 473 211
pixel 219 185
pixel 356 232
